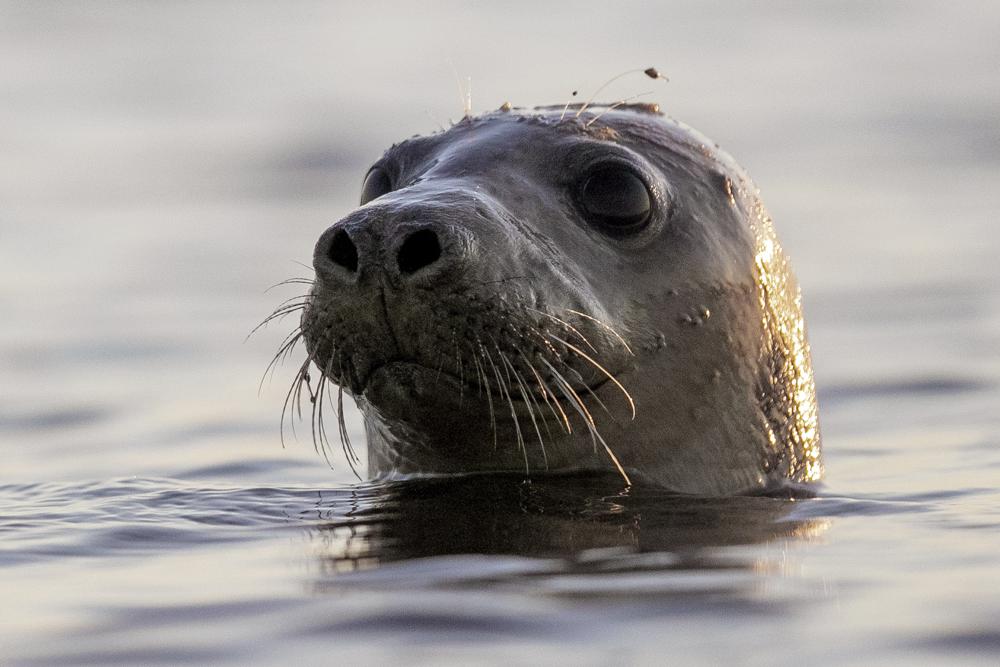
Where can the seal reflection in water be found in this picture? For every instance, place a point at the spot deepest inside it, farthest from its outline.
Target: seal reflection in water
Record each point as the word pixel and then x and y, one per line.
pixel 559 516
pixel 550 290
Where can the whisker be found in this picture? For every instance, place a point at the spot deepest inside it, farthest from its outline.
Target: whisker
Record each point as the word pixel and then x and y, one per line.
pixel 505 391
pixel 489 396
pixel 528 400
pixel 606 326
pixel 437 377
pixel 291 340
pixel 316 419
pixel 304 298
pixel 596 365
pixel 345 438
pixel 345 441
pixel 290 281
pixel 568 326
pixel 461 371
pixel 595 435
pixel 534 400
pixel 307 380
pixel 288 306
pixel 279 313
pixel 294 390
pixel 590 391
pixel 614 459
pixel 545 394
pixel 479 375
pixel 565 385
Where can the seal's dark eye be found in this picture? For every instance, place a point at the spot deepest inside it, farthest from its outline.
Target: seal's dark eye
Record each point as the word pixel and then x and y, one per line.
pixel 614 196
pixel 376 184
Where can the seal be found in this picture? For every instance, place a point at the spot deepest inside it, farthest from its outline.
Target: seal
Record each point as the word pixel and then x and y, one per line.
pixel 564 289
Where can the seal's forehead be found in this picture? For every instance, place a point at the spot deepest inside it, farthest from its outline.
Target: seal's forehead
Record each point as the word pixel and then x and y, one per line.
pixel 560 125
pixel 511 127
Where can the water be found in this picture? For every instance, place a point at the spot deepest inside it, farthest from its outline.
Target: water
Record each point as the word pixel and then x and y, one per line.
pixel 163 164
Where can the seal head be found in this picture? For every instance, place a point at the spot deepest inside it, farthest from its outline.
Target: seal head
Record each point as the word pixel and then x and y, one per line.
pixel 539 290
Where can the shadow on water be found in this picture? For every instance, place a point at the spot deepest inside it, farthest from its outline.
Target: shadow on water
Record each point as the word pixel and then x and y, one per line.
pixel 576 524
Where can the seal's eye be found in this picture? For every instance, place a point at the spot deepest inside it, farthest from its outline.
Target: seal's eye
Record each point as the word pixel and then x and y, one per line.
pixel 615 197
pixel 376 184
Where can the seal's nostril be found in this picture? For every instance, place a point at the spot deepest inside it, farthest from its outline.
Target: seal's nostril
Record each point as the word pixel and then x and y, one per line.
pixel 419 250
pixel 344 252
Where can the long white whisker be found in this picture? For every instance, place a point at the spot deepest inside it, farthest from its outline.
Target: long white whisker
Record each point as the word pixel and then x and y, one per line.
pixel 596 365
pixel 606 326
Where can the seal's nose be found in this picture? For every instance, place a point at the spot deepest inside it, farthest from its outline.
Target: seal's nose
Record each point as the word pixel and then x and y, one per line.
pixel 420 249
pixel 343 252
pixel 419 236
pixel 422 252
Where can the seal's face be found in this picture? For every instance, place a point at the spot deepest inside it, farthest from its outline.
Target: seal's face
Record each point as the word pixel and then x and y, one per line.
pixel 535 290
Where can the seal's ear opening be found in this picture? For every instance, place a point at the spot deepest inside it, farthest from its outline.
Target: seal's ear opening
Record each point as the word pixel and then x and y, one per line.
pixel 615 198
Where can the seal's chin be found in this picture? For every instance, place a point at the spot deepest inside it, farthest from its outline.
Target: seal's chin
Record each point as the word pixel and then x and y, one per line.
pixel 403 382
pixel 410 374
pixel 423 398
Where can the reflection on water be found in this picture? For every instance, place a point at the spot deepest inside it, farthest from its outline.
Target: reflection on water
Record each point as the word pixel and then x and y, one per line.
pixel 565 538
pixel 553 517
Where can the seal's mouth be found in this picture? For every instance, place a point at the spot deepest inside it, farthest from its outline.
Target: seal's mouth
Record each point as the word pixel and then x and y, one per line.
pixel 417 376
pixel 452 367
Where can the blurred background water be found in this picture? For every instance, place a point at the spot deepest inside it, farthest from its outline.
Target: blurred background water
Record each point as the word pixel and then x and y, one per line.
pixel 162 164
